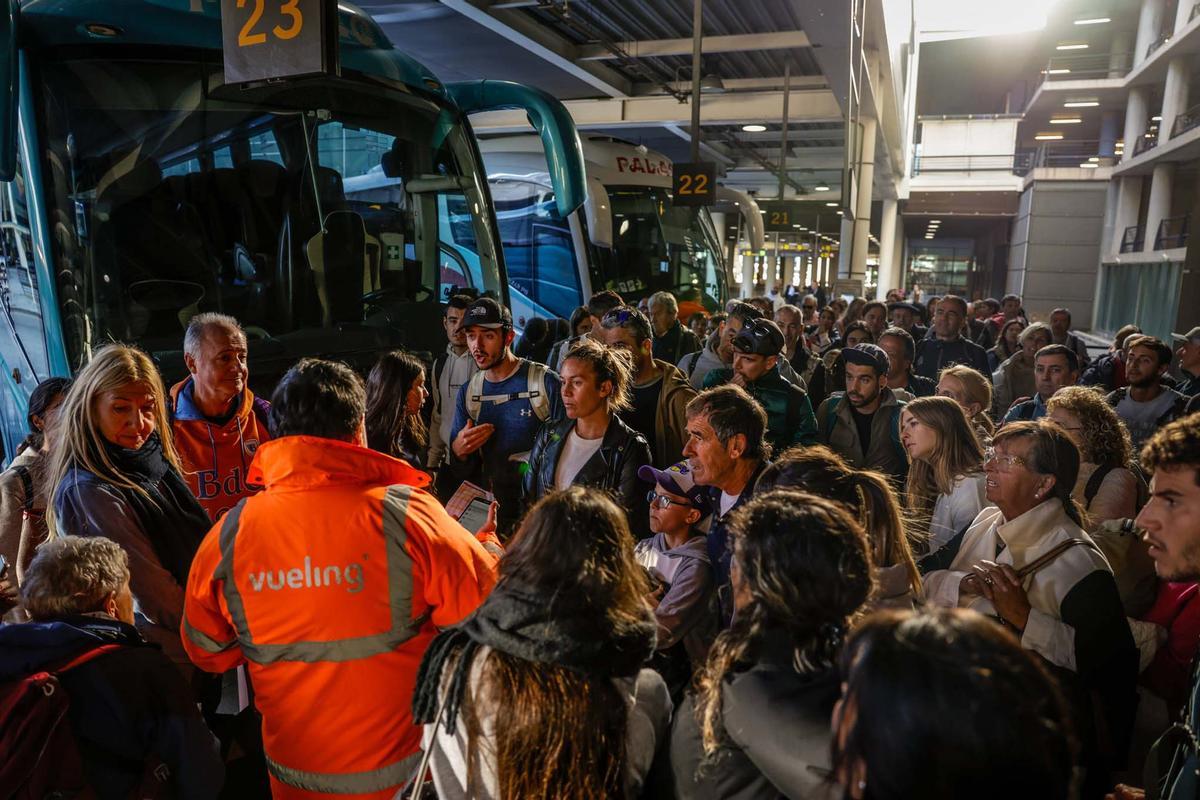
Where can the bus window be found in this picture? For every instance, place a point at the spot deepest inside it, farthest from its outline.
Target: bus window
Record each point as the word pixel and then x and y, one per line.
pixel 538 250
pixel 310 237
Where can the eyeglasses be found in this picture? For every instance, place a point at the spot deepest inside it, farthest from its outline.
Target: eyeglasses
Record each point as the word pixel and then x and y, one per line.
pixel 662 501
pixel 1003 462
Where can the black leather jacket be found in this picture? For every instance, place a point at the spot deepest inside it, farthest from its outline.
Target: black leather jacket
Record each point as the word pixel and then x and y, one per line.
pixel 613 467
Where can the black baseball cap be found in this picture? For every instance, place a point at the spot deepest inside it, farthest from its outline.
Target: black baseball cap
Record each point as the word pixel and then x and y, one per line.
pixel 868 355
pixel 486 313
pixel 760 337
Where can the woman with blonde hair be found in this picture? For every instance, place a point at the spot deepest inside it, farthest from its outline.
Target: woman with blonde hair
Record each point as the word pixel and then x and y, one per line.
pixel 971 389
pixel 115 473
pixel 871 500
pixel 946 486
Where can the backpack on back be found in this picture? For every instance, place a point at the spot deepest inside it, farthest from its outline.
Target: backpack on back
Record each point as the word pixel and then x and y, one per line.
pixel 535 393
pixel 831 420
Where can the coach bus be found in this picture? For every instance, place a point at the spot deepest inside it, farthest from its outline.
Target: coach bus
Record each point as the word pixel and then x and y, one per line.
pixel 628 236
pixel 141 188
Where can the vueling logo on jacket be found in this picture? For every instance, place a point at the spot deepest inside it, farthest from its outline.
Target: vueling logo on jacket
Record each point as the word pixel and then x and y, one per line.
pixel 351 575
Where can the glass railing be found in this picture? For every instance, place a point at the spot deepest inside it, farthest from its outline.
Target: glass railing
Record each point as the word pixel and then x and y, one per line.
pixel 1087 66
pixel 1186 120
pixel 1015 163
pixel 1148 141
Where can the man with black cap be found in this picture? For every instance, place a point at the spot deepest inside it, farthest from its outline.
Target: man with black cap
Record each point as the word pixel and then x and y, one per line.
pixel 862 424
pixel 756 351
pixel 1189 361
pixel 500 409
pixel 905 316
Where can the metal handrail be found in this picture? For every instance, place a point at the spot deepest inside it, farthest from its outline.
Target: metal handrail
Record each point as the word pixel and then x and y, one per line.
pixel 1195 10
pixel 1147 141
pixel 1162 39
pixel 1016 163
pixel 1134 239
pixel 1186 120
pixel 1082 67
pixel 1172 232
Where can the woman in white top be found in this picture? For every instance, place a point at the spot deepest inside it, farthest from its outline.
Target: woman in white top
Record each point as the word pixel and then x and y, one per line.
pixel 946 485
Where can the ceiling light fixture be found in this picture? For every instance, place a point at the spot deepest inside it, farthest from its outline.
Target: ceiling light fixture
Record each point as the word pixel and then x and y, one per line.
pixel 1066 121
pixel 1088 165
pixel 754 128
pixel 1047 137
pixel 1156 119
pixel 1072 46
pixel 1093 21
pixel 1081 104
pixel 832 205
pixel 821 188
pixel 1056 71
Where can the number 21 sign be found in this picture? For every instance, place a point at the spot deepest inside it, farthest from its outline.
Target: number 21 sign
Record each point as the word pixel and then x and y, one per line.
pixel 694 184
pixel 275 39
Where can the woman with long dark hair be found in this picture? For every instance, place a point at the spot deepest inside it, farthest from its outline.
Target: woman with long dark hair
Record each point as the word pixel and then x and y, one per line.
pixel 870 499
pixel 759 725
pixel 395 395
pixel 949 683
pixel 541 692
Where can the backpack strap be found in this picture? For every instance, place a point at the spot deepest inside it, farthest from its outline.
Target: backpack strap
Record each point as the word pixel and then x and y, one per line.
pixel 695 360
pixel 894 430
pixel 474 398
pixel 831 414
pixel 27 484
pixel 1093 485
pixel 84 657
pixel 539 400
pixel 535 393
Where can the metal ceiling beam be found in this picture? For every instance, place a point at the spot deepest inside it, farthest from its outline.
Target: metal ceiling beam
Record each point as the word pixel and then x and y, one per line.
pixel 735 84
pixel 717 153
pixel 658 48
pixel 738 108
pixel 525 31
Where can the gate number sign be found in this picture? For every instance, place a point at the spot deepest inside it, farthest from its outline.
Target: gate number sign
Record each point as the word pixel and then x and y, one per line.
pixel 694 184
pixel 273 39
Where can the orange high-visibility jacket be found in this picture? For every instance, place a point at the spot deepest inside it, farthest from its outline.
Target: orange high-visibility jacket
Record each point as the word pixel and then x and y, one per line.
pixel 216 456
pixel 330 584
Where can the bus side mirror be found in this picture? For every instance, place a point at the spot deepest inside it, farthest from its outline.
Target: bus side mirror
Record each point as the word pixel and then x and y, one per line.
pixel 552 121
pixel 9 73
pixel 598 209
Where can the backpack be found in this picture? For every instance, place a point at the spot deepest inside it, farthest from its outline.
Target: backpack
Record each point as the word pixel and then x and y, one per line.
pixel 39 756
pixel 535 393
pixel 691 367
pixel 831 419
pixel 26 484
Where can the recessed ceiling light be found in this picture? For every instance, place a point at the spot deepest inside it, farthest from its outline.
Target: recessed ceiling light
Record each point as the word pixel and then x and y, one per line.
pixel 754 128
pixel 1048 137
pixel 1094 159
pixel 831 205
pixel 1056 71
pixel 1066 121
pixel 1156 119
pixel 1088 165
pixel 795 224
pixel 821 188
pixel 1072 46
pixel 936 221
pixel 1093 21
pixel 1081 104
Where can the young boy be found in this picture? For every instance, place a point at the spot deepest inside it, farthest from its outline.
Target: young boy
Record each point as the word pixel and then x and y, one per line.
pixel 676 557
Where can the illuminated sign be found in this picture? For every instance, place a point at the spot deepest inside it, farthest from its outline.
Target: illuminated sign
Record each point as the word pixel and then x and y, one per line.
pixel 274 39
pixel 694 184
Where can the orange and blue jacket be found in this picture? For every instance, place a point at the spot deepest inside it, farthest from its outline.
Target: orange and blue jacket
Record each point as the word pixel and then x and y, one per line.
pixel 330 584
pixel 216 455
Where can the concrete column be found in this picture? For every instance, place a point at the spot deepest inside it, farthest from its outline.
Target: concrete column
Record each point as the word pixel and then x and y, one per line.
pixel 1149 26
pixel 1181 14
pixel 862 214
pixel 1175 94
pixel 1110 123
pixel 889 272
pixel 789 271
pixel 1120 57
pixel 1129 197
pixel 845 243
pixel 747 276
pixel 1160 202
pixel 1136 115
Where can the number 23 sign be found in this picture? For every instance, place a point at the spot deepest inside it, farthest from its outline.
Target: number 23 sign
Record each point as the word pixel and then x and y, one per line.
pixel 694 184
pixel 275 39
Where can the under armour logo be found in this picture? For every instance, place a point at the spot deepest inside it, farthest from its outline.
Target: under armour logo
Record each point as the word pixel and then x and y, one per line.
pixel 526 412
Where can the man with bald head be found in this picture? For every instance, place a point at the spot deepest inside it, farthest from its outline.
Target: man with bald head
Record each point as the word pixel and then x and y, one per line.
pixel 217 421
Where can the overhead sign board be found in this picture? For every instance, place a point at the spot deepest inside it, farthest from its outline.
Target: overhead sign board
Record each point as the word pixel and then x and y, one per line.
pixel 273 39
pixel 694 184
pixel 780 216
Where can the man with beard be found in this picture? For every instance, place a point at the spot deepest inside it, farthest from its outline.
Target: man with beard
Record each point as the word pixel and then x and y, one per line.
pixel 1146 404
pixel 862 424
pixel 1170 524
pixel 500 409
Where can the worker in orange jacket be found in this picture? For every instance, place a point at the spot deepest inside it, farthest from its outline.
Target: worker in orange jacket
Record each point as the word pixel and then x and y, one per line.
pixel 330 584
pixel 217 421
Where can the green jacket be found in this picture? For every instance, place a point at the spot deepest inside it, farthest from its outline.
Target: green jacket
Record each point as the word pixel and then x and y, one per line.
pixel 790 418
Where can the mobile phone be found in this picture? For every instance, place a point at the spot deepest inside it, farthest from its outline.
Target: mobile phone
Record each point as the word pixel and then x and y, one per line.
pixel 476 514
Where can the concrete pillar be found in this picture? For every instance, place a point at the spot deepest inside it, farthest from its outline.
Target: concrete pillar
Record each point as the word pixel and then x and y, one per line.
pixel 1175 94
pixel 1181 14
pixel 747 276
pixel 1136 115
pixel 845 240
pixel 1120 57
pixel 1110 123
pixel 1160 202
pixel 1149 26
pixel 862 214
pixel 789 271
pixel 889 272
pixel 1129 198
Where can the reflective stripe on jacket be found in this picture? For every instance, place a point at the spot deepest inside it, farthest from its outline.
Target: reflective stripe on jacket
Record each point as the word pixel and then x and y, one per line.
pixel 331 583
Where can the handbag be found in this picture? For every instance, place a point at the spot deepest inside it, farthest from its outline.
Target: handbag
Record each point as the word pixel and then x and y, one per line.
pixel 416 787
pixel 1054 552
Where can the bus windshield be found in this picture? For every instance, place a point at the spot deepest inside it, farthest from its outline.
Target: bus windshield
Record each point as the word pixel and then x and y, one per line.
pixel 658 246
pixel 330 217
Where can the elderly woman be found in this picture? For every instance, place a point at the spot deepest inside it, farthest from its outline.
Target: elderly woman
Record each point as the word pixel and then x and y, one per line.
pixel 1029 563
pixel 130 710
pixel 1015 378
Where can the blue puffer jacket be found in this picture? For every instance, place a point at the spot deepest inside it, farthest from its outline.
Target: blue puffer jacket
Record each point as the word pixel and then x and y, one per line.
pixel 126 705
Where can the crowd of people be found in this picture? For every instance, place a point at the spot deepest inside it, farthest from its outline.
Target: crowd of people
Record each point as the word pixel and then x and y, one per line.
pixel 804 547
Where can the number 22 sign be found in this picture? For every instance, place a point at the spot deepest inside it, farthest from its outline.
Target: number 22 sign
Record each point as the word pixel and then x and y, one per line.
pixel 694 184
pixel 275 39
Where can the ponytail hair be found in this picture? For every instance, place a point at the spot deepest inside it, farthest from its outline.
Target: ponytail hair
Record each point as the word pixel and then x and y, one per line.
pixel 1052 453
